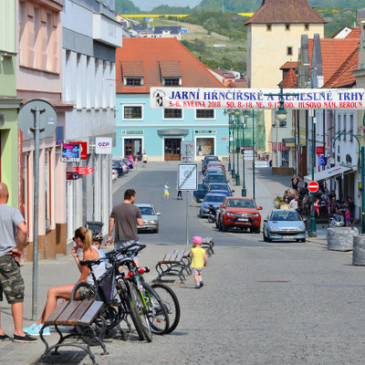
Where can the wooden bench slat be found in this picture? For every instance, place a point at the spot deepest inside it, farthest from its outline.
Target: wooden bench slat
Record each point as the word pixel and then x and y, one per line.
pixel 55 314
pixel 90 315
pixel 80 311
pixel 64 316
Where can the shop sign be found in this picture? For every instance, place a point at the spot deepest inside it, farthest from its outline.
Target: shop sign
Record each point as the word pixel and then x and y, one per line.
pixel 103 145
pixel 71 175
pixel 83 149
pixel 83 170
pixel 205 131
pixel 133 132
pixel 320 150
pixel 192 98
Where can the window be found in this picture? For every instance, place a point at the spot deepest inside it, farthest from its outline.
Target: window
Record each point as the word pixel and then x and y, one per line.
pixel 306 26
pixel 268 27
pixel 172 81
pixel 173 113
pixel 287 26
pixel 289 51
pixel 204 114
pixel 132 112
pixel 133 81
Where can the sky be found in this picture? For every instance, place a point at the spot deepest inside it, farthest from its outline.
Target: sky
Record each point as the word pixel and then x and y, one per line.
pixel 150 4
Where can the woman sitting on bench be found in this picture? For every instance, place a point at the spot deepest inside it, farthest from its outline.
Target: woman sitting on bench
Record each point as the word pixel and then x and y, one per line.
pixel 83 240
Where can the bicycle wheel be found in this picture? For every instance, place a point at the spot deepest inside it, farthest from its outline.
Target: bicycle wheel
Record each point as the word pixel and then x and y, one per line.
pixel 171 303
pixel 157 313
pixel 139 313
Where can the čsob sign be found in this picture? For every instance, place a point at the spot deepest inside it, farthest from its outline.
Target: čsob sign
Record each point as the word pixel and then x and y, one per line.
pixel 192 98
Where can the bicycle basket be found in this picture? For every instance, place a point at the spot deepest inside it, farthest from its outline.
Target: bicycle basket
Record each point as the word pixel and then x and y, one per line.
pixel 105 286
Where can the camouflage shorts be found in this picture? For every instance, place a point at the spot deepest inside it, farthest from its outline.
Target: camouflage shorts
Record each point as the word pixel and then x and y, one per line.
pixel 11 281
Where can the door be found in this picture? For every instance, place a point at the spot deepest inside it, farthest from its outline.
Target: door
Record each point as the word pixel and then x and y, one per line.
pixel 132 147
pixel 172 149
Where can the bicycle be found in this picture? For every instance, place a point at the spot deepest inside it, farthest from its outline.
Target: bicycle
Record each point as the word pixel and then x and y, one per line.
pixel 164 294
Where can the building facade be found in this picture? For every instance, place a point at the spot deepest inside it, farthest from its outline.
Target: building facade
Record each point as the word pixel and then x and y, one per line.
pixel 163 133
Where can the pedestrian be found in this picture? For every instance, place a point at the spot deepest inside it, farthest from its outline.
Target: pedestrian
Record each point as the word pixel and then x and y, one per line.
pixel 13 231
pixel 125 218
pixel 130 158
pixel 179 192
pixel 199 259
pixel 144 159
pixel 166 194
pixel 294 203
pixel 348 217
pixel 82 240
pixel 295 183
pixel 97 241
pixel 135 161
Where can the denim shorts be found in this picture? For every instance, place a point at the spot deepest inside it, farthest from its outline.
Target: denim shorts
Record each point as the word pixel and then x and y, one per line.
pixel 121 244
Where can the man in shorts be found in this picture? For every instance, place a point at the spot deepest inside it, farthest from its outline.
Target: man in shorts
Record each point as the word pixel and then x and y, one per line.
pixel 124 218
pixel 13 233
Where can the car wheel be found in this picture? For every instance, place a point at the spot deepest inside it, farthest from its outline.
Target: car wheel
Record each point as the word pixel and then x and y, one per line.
pixel 219 225
pixel 268 237
pixel 224 227
pixel 265 238
pixel 157 229
pixel 257 230
pixel 303 240
pixel 200 214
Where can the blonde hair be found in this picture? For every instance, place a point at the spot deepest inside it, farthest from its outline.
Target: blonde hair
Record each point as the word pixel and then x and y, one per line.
pixel 86 237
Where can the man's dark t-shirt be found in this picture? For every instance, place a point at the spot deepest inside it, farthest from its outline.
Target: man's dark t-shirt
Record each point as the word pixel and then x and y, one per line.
pixel 125 218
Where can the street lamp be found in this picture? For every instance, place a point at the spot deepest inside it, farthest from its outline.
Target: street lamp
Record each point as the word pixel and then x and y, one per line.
pixel 246 114
pixel 238 126
pixel 229 138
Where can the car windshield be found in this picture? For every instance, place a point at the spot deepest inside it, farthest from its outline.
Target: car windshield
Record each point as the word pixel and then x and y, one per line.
pixel 238 203
pixel 218 187
pixel 146 211
pixel 217 178
pixel 285 216
pixel 214 198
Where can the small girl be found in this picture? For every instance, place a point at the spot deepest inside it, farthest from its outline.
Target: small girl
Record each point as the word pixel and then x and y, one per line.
pixel 199 259
pixel 135 162
pixel 348 217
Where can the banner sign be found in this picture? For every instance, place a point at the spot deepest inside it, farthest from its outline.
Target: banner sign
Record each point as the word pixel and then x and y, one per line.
pixel 195 98
pixel 103 145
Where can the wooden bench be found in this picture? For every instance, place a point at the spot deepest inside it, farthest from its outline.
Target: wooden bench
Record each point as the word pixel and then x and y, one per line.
pixel 208 244
pixel 82 314
pixel 174 263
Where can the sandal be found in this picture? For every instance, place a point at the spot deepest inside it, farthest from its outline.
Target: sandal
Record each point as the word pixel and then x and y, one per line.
pixel 4 337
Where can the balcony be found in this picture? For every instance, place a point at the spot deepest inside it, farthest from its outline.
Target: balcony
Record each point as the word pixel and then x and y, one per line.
pixel 107 30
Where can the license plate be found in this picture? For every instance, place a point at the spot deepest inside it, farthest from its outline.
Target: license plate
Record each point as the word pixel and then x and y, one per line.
pixel 242 219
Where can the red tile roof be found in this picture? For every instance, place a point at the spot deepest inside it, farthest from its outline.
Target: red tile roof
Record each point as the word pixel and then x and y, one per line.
pixel 285 12
pixel 290 81
pixel 354 34
pixel 289 65
pixel 335 52
pixel 168 52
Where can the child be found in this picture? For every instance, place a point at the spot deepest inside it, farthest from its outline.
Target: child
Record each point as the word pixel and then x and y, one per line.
pixel 199 259
pixel 135 162
pixel 97 241
pixel 166 194
pixel 348 217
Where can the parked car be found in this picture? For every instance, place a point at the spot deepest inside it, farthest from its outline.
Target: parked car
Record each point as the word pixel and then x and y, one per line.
pixel 239 213
pixel 210 199
pixel 200 193
pixel 207 159
pixel 220 186
pixel 213 170
pixel 284 224
pixel 150 218
pixel 118 166
pixel 215 178
pixel 128 162
pixel 216 164
pixel 114 174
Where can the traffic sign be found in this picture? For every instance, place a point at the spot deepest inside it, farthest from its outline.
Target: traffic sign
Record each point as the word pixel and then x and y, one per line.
pixel 320 150
pixel 188 177
pixel 313 186
pixel 70 175
pixel 83 170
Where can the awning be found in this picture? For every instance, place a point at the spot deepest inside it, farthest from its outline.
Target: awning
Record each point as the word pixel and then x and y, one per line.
pixel 329 173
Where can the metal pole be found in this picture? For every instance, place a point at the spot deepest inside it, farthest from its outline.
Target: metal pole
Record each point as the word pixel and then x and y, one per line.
pixel 362 189
pixel 313 227
pixel 37 113
pixel 244 190
pixel 238 150
pixel 233 150
pixel 187 205
pixel 253 155
pixel 277 144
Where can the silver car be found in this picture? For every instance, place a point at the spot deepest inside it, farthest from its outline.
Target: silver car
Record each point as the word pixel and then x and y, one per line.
pixel 150 218
pixel 285 225
pixel 214 199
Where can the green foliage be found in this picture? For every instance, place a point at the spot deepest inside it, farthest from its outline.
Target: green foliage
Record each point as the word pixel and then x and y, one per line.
pixel 166 9
pixel 126 6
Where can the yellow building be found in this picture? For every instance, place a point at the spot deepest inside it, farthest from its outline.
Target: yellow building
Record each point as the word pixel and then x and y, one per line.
pixel 273 38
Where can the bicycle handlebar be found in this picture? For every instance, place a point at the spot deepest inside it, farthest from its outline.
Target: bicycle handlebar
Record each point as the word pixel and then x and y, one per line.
pixel 90 263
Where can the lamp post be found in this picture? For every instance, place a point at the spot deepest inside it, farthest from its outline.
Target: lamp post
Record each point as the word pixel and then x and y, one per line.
pixel 229 138
pixel 238 127
pixel 246 114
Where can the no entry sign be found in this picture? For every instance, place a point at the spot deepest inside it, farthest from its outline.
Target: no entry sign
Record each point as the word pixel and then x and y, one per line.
pixel 313 186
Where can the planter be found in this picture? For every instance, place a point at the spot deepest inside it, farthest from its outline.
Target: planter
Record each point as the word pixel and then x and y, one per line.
pixel 341 238
pixel 358 254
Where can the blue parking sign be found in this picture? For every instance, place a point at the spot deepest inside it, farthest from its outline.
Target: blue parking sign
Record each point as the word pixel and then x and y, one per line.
pixel 322 161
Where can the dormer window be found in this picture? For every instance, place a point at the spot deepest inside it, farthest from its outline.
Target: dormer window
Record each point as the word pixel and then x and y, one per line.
pixel 306 26
pixel 268 27
pixel 133 81
pixel 171 81
pixel 287 26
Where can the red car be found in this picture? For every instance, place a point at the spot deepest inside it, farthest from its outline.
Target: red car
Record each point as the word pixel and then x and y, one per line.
pixel 215 164
pixel 240 213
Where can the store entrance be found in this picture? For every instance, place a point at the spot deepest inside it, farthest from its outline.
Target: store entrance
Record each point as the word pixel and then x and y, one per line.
pixel 132 147
pixel 172 149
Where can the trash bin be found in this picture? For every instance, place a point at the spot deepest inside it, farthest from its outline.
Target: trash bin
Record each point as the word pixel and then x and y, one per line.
pixel 95 226
pixel 341 238
pixel 358 253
